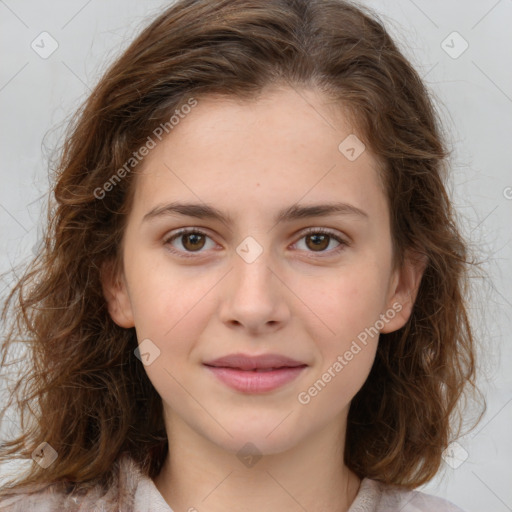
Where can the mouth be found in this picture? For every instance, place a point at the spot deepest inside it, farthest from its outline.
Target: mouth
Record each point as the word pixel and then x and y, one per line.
pixel 255 374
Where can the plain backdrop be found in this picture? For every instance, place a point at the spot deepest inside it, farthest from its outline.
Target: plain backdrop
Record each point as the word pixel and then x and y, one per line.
pixel 462 49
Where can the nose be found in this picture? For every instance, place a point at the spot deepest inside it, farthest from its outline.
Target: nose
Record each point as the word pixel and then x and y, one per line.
pixel 254 296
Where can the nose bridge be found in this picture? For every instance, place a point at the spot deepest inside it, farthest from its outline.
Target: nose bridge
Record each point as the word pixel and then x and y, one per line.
pixel 252 272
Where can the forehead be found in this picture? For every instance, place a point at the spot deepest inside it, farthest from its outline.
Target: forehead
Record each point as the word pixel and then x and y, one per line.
pixel 277 149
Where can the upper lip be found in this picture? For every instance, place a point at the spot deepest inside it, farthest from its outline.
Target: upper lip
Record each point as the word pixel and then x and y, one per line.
pixel 246 362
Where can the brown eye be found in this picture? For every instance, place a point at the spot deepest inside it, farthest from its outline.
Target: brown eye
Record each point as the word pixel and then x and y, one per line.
pixel 188 242
pixel 193 241
pixel 319 241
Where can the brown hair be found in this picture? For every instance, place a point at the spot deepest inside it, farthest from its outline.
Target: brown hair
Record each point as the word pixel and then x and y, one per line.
pixel 93 399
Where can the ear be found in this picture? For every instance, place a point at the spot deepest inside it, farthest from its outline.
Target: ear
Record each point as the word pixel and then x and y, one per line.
pixel 116 294
pixel 403 290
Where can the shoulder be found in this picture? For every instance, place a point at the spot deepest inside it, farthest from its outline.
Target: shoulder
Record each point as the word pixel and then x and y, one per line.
pixel 57 496
pixel 375 496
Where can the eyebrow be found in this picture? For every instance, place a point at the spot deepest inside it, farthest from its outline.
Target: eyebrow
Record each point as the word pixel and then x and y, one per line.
pixel 294 212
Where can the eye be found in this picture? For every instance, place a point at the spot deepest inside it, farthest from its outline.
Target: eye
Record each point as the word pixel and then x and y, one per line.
pixel 319 239
pixel 192 240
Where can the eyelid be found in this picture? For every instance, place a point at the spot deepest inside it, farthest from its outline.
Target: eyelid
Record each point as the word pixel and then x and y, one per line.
pixel 342 240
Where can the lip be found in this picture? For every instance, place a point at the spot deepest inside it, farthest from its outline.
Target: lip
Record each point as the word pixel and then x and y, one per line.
pixel 247 362
pixel 255 374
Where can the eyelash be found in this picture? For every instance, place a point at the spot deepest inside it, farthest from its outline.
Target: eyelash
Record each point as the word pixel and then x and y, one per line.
pixel 187 231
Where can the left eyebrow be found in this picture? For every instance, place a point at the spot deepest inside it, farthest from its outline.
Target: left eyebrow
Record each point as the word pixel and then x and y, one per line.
pixel 294 212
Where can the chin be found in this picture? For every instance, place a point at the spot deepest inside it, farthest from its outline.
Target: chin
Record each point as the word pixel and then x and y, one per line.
pixel 263 438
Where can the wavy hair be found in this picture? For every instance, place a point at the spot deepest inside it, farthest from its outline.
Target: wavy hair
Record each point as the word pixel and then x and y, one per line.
pixel 92 398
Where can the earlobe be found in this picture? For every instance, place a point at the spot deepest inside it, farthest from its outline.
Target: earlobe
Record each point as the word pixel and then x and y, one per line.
pixel 116 295
pixel 404 289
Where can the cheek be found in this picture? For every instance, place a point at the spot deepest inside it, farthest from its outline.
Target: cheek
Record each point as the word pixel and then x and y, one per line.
pixel 350 307
pixel 346 303
pixel 173 318
pixel 331 391
pixel 168 301
pixel 175 323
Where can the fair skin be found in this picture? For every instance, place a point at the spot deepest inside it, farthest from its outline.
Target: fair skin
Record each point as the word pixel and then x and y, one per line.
pixel 251 160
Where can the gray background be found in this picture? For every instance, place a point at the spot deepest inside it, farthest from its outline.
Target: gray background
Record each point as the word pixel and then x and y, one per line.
pixel 473 91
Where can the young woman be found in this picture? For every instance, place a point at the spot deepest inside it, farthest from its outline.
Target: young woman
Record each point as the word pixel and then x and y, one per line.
pixel 252 293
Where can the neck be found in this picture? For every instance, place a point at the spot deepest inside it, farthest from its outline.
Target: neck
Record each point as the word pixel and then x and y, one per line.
pixel 200 475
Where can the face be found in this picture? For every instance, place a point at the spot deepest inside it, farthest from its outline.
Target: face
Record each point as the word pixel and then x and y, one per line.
pixel 263 279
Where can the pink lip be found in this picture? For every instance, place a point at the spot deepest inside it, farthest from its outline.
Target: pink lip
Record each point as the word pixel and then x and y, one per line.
pixel 239 371
pixel 250 381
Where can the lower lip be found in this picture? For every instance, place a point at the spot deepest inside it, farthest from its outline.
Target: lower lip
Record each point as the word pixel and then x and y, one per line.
pixel 255 382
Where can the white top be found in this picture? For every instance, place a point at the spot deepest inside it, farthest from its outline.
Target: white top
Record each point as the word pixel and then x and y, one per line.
pixel 372 497
pixel 132 491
